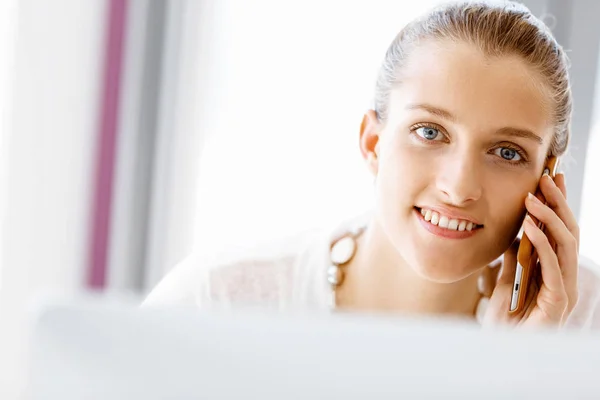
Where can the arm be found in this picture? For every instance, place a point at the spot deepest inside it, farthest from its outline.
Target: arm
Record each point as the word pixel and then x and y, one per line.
pixel 183 286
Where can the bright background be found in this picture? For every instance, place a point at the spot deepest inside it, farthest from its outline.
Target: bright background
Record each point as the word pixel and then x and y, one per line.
pixel 235 122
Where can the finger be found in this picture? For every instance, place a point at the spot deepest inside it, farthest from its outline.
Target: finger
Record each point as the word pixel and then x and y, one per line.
pixel 561 241
pixel 561 183
pixel 551 274
pixel 551 240
pixel 554 224
pixel 558 203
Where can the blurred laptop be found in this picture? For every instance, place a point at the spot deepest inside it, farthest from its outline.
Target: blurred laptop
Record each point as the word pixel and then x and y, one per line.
pixel 113 350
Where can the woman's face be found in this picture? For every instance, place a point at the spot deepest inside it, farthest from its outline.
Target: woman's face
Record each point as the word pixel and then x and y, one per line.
pixel 467 136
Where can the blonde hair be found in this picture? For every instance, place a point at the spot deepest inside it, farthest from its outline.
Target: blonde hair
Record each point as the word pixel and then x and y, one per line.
pixel 497 29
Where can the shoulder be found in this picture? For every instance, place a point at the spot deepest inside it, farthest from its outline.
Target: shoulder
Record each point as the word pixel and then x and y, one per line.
pixel 586 313
pixel 289 271
pixel 268 274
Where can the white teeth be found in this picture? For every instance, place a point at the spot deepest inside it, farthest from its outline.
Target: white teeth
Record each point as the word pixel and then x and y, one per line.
pixel 428 215
pixel 453 224
pixel 443 222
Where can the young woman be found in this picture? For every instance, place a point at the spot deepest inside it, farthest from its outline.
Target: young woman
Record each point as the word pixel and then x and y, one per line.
pixel 471 101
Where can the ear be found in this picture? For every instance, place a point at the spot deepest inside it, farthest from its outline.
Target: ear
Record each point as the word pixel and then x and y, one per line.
pixel 369 140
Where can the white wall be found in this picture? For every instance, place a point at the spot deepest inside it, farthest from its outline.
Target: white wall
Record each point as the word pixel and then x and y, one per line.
pixel 179 139
pixel 50 159
pixel 8 18
pixel 289 85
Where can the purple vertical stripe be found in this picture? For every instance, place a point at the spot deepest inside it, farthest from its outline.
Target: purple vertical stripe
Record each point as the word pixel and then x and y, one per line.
pixel 107 135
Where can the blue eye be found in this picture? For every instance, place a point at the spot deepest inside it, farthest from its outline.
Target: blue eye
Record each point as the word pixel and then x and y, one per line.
pixel 508 154
pixel 428 133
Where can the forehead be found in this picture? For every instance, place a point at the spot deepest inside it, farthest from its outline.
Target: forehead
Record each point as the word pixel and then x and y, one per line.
pixel 482 92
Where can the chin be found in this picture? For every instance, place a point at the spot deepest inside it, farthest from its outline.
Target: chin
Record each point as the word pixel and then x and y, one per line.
pixel 443 269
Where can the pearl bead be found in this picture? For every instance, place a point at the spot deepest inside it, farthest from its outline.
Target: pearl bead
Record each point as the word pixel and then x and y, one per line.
pixel 335 275
pixel 343 250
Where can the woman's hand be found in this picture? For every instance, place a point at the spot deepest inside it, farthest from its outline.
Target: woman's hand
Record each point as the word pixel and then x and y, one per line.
pixel 553 292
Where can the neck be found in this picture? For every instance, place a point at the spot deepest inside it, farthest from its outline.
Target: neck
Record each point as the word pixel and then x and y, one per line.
pixel 379 279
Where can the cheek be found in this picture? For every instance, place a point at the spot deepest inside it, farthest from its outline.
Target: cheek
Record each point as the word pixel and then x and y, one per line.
pixel 506 204
pixel 400 176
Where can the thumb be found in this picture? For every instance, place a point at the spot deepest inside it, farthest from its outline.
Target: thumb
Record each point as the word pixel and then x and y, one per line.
pixel 509 265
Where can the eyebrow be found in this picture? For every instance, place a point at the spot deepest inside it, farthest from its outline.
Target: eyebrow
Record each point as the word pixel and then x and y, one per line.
pixel 440 112
pixel 447 115
pixel 522 133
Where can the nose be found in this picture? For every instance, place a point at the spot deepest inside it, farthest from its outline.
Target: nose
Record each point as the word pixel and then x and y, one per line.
pixel 460 179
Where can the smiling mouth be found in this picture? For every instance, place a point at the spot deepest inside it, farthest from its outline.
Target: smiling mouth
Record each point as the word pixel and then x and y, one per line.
pixel 444 222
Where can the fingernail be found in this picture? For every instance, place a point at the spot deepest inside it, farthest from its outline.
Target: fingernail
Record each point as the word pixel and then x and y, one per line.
pixel 531 197
pixel 529 220
pixel 480 284
pixel 548 178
